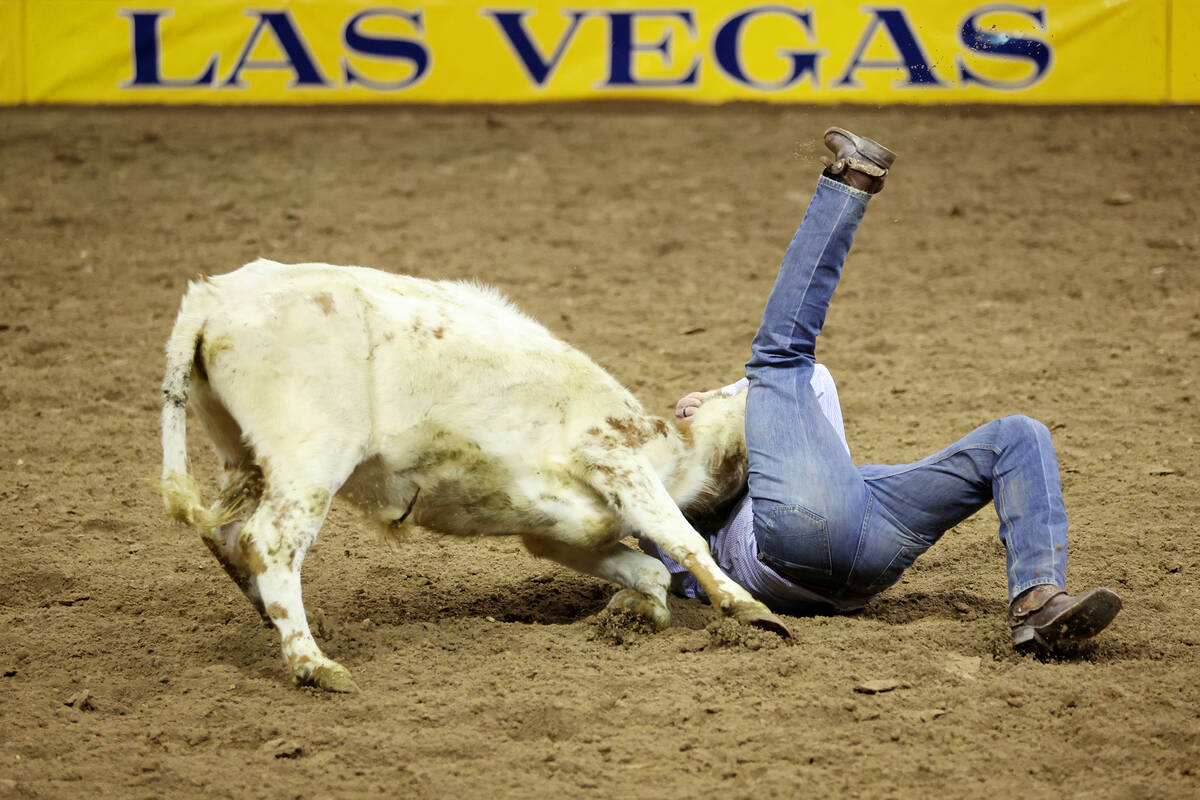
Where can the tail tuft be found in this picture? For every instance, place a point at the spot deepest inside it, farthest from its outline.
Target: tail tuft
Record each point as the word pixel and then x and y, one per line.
pixel 180 493
pixel 183 503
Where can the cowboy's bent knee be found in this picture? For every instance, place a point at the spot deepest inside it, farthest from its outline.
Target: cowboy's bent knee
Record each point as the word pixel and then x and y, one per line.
pixel 1021 428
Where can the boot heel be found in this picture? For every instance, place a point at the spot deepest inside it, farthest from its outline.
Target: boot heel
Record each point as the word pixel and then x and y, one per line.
pixel 1027 640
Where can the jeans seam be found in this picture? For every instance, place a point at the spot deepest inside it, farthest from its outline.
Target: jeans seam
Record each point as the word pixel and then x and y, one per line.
pixel 1006 522
pixel 873 586
pixel 1001 511
pixel 1006 529
pixel 862 533
pixel 774 512
pixel 1047 493
pixel 922 463
pixel 820 254
pixel 919 539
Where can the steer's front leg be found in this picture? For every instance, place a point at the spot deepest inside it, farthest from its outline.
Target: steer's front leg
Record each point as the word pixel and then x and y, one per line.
pixel 635 492
pixel 645 579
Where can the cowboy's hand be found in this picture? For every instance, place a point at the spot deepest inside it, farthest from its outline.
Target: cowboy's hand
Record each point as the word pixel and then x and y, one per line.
pixel 686 407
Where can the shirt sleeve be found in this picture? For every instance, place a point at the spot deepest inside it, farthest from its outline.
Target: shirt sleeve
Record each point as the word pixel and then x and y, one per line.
pixel 734 388
pixel 827 398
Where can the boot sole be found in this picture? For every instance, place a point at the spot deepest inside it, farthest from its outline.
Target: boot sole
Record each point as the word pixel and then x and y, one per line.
pixel 868 147
pixel 1091 613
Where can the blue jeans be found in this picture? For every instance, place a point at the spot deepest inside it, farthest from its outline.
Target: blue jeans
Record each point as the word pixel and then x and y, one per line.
pixel 851 531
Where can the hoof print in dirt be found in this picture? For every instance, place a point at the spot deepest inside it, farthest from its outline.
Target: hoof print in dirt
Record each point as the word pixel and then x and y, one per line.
pixel 765 621
pixel 620 627
pixel 283 748
pixel 1065 651
pixel 726 632
pixel 81 701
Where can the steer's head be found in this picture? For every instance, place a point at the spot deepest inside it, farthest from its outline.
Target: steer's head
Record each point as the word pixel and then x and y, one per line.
pixel 713 471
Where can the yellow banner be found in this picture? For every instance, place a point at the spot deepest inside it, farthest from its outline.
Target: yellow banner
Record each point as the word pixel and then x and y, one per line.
pixel 1185 51
pixel 707 51
pixel 12 56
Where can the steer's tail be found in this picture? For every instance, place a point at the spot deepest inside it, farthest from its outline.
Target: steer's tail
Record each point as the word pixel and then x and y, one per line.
pixel 180 492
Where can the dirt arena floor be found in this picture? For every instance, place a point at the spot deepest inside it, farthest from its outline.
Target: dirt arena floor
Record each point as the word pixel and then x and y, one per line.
pixel 1035 261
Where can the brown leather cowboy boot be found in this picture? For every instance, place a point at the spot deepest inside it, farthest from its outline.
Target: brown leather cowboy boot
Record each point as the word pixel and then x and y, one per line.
pixel 1044 616
pixel 858 161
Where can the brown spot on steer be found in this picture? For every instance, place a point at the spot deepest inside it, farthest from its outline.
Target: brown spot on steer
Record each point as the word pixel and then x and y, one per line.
pixel 629 433
pixel 254 559
pixel 324 301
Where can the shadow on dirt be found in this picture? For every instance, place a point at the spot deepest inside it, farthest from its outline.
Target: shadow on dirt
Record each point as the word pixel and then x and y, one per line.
pixel 904 609
pixel 548 603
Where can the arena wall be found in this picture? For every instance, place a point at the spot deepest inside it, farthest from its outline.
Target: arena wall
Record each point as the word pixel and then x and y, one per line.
pixel 705 51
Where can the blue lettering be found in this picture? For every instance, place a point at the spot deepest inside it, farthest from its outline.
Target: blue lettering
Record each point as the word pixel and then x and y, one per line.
pixel 539 69
pixel 1004 45
pixel 298 59
pixel 623 46
pixel 147 54
pixel 727 49
pixel 384 47
pixel 912 57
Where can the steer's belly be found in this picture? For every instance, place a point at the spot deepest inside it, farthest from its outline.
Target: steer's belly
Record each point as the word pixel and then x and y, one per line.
pixel 482 496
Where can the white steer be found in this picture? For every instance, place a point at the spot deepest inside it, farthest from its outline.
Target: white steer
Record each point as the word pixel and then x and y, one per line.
pixel 435 403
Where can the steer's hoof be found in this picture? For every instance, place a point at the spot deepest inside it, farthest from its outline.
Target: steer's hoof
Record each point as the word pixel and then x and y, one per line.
pixel 642 605
pixel 757 616
pixel 332 677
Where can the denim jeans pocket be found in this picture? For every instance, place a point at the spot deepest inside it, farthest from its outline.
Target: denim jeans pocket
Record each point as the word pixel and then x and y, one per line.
pixel 796 541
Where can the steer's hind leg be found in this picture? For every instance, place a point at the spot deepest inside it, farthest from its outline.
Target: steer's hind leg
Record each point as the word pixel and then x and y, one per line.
pixel 222 542
pixel 645 579
pixel 273 543
pixel 240 496
pixel 635 492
